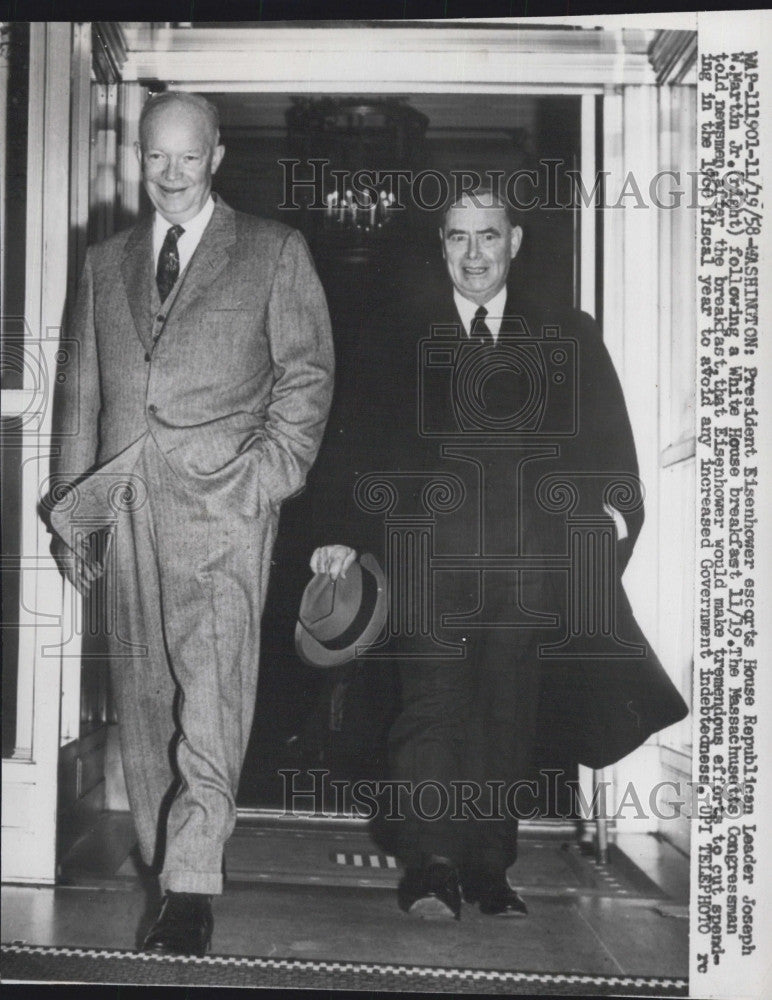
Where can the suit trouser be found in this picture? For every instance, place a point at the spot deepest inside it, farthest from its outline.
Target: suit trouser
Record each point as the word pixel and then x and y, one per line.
pixel 191 579
pixel 465 724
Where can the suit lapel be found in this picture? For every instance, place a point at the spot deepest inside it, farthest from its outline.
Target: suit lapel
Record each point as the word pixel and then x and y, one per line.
pixel 137 272
pixel 211 256
pixel 207 262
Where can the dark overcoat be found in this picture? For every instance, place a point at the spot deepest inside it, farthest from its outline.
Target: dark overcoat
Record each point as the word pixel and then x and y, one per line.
pixel 602 695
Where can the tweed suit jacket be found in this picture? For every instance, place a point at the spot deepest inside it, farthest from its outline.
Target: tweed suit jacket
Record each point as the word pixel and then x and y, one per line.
pixel 232 379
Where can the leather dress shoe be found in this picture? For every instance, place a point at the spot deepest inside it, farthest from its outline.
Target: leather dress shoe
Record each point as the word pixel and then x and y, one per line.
pixel 431 892
pixel 495 895
pixel 183 927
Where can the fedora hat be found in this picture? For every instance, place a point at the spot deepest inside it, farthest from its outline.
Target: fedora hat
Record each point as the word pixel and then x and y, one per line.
pixel 340 618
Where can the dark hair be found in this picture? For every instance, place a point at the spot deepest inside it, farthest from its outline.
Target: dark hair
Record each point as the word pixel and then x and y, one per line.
pixel 156 102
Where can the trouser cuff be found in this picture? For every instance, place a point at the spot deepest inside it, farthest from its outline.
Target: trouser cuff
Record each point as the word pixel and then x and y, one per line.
pixel 207 883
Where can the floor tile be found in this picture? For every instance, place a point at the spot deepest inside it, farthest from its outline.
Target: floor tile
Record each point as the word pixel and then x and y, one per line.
pixel 287 897
pixel 582 934
pixel 640 936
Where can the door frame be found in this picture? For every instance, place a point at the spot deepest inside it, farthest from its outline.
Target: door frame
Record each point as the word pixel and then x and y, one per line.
pixel 47 609
pixel 435 57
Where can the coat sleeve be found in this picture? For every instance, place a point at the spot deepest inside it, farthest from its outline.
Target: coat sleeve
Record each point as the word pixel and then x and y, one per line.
pixel 77 400
pixel 302 358
pixel 605 425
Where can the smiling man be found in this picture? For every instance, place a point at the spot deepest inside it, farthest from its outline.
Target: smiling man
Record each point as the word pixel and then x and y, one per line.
pixel 179 151
pixel 204 382
pixel 473 719
pixel 479 242
pixel 465 736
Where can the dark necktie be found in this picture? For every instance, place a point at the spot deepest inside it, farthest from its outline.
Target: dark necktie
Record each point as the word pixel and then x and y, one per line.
pixel 480 328
pixel 168 269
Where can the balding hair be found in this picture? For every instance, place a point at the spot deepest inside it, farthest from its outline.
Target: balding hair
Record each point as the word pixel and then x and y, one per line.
pixel 157 102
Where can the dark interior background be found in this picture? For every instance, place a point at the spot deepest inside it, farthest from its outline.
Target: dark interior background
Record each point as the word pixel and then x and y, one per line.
pixel 307 717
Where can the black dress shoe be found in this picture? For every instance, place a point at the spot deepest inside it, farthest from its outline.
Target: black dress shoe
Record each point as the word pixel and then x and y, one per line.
pixel 495 895
pixel 432 892
pixel 183 926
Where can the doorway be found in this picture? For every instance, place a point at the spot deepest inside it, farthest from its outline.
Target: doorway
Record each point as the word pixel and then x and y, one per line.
pixel 550 68
pixel 308 719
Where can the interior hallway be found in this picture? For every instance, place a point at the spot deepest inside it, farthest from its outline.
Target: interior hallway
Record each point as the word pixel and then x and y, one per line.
pixel 297 890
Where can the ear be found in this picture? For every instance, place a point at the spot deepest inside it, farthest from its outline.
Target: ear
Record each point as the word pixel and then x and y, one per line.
pixel 442 242
pixel 138 153
pixel 515 240
pixel 217 155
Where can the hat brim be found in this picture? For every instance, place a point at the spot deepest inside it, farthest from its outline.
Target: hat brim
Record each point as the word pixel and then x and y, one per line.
pixel 314 654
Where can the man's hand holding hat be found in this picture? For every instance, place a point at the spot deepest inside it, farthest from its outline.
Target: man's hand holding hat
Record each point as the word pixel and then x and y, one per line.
pixel 333 560
pixel 340 616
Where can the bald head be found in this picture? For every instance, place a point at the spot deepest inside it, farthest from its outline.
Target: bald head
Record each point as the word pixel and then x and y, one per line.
pixel 184 102
pixel 179 151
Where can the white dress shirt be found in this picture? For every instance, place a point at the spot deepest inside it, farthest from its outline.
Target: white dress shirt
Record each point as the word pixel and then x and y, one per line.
pixel 494 306
pixel 187 243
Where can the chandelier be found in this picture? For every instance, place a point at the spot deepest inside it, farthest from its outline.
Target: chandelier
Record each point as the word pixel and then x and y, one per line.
pixel 366 212
pixel 356 143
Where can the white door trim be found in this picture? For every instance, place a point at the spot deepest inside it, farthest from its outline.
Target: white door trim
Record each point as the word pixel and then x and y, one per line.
pixel 30 776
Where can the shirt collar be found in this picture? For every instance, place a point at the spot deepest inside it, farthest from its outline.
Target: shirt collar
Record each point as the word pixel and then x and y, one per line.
pixel 194 227
pixel 494 307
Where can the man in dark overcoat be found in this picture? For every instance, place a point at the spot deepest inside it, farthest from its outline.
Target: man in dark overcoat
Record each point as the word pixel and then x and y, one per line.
pixel 518 404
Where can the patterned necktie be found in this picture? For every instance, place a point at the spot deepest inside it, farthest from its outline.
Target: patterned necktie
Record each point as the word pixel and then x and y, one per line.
pixel 480 328
pixel 168 262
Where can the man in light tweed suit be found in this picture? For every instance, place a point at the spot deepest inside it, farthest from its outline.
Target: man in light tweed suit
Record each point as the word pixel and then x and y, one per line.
pixel 204 378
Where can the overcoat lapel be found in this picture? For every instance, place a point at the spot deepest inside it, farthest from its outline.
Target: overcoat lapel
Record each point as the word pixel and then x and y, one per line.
pixel 137 272
pixel 514 322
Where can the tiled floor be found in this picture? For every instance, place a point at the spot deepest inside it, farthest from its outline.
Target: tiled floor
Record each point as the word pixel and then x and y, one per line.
pixel 353 924
pixel 612 923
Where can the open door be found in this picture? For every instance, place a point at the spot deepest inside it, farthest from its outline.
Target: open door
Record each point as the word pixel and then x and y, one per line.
pixel 68 122
pixel 36 610
pixel 70 178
